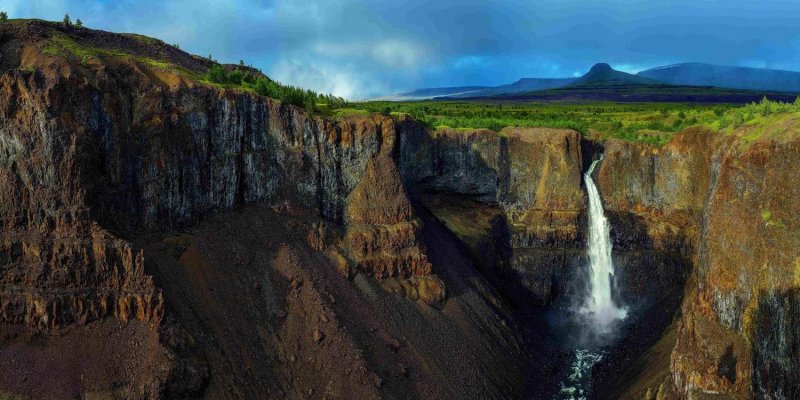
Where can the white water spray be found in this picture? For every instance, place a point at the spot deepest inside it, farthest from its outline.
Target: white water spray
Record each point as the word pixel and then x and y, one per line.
pixel 600 308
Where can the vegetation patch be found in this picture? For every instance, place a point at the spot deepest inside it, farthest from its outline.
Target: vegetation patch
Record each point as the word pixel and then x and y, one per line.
pixel 766 118
pixel 61 45
pixel 652 123
pixel 770 220
pixel 239 77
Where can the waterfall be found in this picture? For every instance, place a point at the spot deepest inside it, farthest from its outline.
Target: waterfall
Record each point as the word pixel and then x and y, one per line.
pixel 599 307
pixel 599 312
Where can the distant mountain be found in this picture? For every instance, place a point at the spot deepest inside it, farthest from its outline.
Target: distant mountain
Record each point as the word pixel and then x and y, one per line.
pixel 694 82
pixel 603 83
pixel 522 85
pixel 429 93
pixel 461 92
pixel 602 75
pixel 700 74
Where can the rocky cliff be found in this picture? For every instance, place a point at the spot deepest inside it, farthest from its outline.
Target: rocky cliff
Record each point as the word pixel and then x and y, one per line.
pixel 712 198
pixel 110 147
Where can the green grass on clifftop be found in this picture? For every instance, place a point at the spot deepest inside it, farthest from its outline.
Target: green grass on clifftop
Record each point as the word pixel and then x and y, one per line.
pixel 62 45
pixel 651 123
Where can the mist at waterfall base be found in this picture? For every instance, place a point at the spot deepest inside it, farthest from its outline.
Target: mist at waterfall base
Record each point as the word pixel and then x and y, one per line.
pixel 593 322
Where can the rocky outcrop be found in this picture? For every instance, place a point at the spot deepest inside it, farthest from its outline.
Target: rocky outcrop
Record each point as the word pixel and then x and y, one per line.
pixel 532 174
pixel 513 197
pixel 665 188
pixel 739 320
pixel 381 227
pixel 52 281
pixel 382 233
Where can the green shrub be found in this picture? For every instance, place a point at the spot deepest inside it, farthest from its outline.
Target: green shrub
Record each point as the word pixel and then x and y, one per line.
pixel 217 74
pixel 3 16
pixel 67 20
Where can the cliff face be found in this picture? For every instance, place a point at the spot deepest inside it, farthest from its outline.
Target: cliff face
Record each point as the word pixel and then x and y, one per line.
pixel 514 198
pixel 103 156
pixel 711 198
pixel 739 323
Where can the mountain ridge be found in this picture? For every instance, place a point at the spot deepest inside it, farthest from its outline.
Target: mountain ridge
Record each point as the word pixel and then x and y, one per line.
pixel 601 74
pixel 696 73
pixel 680 74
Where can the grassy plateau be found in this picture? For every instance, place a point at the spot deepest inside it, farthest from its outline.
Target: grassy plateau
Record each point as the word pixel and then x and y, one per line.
pixel 652 123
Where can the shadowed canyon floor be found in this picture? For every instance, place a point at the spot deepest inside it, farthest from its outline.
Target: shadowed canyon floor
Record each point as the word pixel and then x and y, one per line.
pixel 167 237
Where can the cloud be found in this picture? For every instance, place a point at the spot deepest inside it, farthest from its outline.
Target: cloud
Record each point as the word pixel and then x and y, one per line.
pixel 389 52
pixel 342 81
pixel 364 46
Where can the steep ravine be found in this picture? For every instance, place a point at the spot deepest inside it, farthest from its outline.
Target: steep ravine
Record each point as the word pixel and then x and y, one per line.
pixel 176 239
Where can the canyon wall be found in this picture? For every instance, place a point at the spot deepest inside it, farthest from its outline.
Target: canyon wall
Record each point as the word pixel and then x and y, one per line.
pixel 101 155
pixel 696 217
pixel 728 203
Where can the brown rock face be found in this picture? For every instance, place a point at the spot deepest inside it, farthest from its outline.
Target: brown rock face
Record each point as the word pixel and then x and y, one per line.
pixel 55 281
pixel 665 187
pixel 543 199
pixel 383 233
pixel 533 174
pixel 97 153
pixel 514 198
pixel 712 198
pixel 381 228
pixel 739 320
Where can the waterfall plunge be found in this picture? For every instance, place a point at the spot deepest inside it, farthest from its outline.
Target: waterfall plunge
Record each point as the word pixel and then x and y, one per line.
pixel 599 306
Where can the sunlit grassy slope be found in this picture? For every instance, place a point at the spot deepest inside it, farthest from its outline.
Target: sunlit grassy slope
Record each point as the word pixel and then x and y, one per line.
pixel 652 123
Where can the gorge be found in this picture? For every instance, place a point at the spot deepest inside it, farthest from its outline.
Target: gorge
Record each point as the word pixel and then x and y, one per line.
pixel 174 238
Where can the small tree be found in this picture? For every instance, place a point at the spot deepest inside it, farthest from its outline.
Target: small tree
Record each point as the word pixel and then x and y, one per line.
pixel 217 74
pixel 3 16
pixel 241 63
pixel 766 106
pixel 309 104
pixel 78 23
pixel 67 21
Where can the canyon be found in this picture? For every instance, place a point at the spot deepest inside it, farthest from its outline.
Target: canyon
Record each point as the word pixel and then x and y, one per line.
pixel 165 237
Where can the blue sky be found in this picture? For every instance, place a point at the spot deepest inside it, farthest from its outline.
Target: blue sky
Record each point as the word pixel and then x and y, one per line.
pixel 360 49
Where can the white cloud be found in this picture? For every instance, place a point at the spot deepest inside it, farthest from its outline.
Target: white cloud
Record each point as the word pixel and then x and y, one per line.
pixel 393 52
pixel 339 80
pixel 398 53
